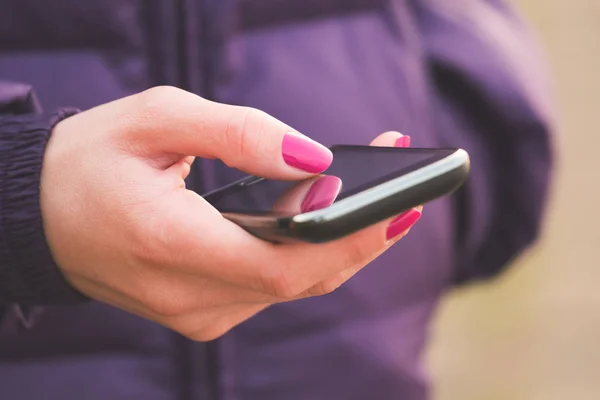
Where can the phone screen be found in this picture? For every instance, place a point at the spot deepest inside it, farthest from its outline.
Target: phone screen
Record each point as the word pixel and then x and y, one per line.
pixel 354 169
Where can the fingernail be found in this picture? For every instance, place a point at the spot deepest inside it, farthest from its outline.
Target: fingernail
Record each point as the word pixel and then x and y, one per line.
pixel 402 141
pixel 402 223
pixel 305 154
pixel 321 194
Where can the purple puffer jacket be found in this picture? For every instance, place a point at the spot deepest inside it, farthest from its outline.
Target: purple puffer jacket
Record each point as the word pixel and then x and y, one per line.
pixel 447 72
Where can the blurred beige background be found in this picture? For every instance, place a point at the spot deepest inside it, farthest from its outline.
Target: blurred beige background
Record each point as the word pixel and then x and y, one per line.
pixel 535 333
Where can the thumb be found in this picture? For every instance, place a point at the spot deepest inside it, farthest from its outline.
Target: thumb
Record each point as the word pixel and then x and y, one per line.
pixel 181 123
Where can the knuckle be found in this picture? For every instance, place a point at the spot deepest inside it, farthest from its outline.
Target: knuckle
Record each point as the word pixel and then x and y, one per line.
pixel 212 332
pixel 332 284
pixel 239 128
pixel 362 248
pixel 324 288
pixel 280 286
pixel 152 102
pixel 356 253
pixel 160 92
pixel 335 283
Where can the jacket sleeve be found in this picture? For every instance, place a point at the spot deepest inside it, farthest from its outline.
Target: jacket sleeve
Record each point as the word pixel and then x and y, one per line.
pixel 28 274
pixel 492 98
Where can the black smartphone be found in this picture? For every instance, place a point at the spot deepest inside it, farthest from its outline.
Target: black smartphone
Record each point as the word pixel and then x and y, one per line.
pixel 364 185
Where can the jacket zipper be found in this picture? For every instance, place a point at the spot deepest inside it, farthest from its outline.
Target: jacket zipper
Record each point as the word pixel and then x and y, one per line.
pixel 183 13
pixel 181 26
pixel 184 349
pixel 211 348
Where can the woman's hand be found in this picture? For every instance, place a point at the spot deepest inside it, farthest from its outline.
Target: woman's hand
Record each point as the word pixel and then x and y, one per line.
pixel 124 229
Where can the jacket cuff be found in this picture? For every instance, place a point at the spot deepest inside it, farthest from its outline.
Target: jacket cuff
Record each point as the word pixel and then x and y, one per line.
pixel 28 273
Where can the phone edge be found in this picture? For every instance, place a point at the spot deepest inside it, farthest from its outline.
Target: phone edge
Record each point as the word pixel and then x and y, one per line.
pixel 302 225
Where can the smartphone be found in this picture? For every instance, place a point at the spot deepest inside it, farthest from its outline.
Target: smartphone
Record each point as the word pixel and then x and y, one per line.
pixel 364 185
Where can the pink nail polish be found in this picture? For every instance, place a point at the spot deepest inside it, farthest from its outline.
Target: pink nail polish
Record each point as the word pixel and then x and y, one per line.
pixel 305 154
pixel 402 141
pixel 402 223
pixel 322 193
